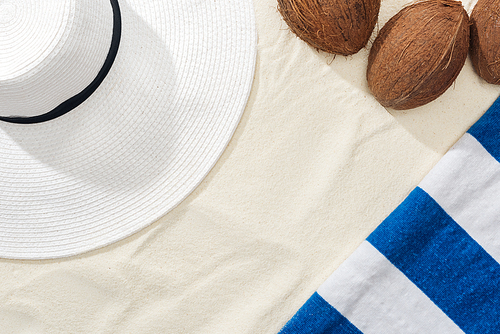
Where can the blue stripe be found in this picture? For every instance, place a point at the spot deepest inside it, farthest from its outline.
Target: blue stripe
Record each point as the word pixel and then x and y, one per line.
pixel 487 130
pixel 439 257
pixel 316 316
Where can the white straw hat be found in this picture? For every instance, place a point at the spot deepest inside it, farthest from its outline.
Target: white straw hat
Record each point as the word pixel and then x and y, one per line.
pixel 129 104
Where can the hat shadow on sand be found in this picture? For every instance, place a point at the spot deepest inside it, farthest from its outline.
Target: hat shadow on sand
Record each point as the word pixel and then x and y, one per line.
pixel 101 142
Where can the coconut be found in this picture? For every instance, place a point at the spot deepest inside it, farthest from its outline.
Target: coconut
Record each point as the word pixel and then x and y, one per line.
pixel 485 40
pixel 418 53
pixel 341 27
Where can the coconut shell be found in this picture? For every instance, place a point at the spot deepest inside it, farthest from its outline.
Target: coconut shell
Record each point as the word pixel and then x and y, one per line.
pixel 485 40
pixel 341 27
pixel 418 53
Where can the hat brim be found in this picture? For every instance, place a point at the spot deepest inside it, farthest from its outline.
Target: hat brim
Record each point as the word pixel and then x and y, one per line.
pixel 141 143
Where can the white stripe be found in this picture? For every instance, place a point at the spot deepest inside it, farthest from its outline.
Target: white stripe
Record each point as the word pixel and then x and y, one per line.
pixel 378 299
pixel 466 184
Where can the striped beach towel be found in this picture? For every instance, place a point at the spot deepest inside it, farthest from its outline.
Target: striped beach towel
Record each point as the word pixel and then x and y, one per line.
pixel 432 266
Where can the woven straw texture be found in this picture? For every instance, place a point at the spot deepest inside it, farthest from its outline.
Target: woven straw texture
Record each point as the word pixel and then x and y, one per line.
pixel 141 143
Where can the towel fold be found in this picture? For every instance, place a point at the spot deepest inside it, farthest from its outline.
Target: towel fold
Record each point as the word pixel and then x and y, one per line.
pixel 432 266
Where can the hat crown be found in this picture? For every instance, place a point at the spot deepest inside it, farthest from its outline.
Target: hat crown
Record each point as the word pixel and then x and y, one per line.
pixel 50 50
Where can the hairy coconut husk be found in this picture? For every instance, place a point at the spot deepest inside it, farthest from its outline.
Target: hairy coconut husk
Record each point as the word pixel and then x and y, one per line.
pixel 418 53
pixel 336 26
pixel 485 40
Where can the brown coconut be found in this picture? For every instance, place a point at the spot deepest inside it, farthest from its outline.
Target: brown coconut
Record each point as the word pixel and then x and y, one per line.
pixel 485 40
pixel 418 53
pixel 341 27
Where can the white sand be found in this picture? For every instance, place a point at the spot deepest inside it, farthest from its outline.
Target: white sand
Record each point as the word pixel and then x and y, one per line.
pixel 315 165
